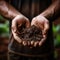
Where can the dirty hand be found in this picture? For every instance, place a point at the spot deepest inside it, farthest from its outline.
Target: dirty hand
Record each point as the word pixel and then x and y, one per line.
pixel 19 20
pixel 42 23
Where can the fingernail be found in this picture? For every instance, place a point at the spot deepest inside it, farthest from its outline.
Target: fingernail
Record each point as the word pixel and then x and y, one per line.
pixel 36 43
pixel 24 43
pixel 29 43
pixel 32 43
pixel 39 43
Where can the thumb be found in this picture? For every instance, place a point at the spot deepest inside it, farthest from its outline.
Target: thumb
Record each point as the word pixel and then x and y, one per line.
pixel 14 25
pixel 27 23
pixel 46 27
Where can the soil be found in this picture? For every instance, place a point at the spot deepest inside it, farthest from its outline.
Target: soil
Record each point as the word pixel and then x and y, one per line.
pixel 32 33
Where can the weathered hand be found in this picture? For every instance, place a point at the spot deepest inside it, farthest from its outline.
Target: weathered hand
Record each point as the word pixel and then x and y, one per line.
pixel 42 23
pixel 19 21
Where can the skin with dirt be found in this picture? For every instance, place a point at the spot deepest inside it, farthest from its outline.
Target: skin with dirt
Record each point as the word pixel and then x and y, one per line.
pixel 32 33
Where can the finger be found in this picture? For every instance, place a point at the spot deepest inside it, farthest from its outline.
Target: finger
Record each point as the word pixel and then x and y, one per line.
pixel 33 22
pixel 16 37
pixel 36 43
pixel 42 41
pixel 32 43
pixel 27 23
pixel 24 43
pixel 14 26
pixel 29 43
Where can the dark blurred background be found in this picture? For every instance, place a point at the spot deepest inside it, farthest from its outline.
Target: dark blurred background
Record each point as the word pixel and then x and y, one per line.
pixel 4 38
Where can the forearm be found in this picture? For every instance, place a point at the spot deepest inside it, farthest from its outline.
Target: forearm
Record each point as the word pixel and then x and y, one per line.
pixel 7 10
pixel 53 11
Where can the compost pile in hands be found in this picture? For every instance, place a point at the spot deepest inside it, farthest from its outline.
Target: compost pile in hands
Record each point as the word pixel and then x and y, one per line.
pixel 30 34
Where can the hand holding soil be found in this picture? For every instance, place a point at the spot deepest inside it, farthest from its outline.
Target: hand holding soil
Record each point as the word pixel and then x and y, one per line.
pixel 20 20
pixel 33 35
pixel 43 24
pixel 27 35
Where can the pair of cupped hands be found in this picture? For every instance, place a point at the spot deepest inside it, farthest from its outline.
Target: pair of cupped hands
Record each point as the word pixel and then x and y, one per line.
pixel 39 21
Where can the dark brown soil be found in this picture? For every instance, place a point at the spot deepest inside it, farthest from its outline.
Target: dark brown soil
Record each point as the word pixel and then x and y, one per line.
pixel 32 33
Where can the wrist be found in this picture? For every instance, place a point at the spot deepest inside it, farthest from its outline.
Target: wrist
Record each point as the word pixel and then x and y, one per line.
pixel 14 15
pixel 47 14
pixel 43 17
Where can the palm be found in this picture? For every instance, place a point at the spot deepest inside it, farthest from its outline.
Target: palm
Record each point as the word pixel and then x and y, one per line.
pixel 43 24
